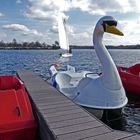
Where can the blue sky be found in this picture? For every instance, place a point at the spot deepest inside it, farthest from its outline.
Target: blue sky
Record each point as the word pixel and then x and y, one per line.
pixel 32 20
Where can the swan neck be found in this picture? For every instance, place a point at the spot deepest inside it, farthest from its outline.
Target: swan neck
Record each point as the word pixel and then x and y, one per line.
pixel 110 76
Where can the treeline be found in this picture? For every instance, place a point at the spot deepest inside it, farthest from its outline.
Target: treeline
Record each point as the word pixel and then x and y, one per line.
pixel 109 47
pixel 37 45
pixel 27 45
pixel 125 47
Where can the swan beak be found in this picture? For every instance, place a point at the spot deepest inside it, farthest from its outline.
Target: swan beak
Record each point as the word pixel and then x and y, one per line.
pixel 113 30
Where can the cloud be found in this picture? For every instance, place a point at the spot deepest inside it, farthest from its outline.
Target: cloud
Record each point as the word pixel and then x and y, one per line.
pixel 130 27
pixel 131 31
pixel 18 1
pixel 100 7
pixel 3 35
pixel 129 5
pixel 1 14
pixel 16 27
pixel 81 35
pixel 54 29
pixel 80 38
pixel 48 9
pixel 87 6
pixel 22 28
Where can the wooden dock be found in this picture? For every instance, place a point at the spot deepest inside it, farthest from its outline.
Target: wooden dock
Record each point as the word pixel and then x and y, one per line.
pixel 61 119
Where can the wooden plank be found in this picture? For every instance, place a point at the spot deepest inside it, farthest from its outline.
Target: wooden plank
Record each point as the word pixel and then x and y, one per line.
pixel 60 113
pixel 50 100
pixel 115 135
pixel 66 123
pixel 48 96
pixel 65 117
pixel 54 99
pixel 37 88
pixel 59 102
pixel 42 104
pixel 45 94
pixel 85 133
pixel 134 137
pixel 72 107
pixel 77 127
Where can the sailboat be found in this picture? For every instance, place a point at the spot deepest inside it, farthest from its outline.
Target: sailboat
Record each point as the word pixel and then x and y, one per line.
pixel 63 39
pixel 103 95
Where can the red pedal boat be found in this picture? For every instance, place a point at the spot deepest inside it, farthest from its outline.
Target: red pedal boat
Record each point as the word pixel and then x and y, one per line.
pixel 16 117
pixel 131 78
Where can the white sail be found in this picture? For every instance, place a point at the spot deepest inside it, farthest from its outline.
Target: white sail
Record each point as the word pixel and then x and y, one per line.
pixel 63 40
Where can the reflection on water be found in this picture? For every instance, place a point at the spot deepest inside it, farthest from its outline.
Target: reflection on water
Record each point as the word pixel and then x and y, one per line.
pixel 39 61
pixel 64 60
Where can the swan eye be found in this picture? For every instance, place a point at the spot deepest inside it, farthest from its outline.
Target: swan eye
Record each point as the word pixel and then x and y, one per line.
pixel 109 23
pixel 112 23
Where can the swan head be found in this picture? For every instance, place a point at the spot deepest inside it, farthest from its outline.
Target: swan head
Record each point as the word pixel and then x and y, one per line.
pixel 107 24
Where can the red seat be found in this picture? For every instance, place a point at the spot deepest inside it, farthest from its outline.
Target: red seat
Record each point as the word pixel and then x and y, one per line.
pixel 16 117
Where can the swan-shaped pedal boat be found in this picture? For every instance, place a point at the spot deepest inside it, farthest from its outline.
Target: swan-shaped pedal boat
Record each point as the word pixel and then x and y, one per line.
pixel 103 95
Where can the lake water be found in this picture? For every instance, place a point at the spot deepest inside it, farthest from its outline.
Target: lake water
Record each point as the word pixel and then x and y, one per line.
pixel 39 61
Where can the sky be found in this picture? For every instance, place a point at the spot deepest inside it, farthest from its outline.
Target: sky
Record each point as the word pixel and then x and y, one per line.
pixel 36 20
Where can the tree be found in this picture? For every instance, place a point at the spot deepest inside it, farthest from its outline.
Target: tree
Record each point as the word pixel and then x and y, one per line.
pixel 56 43
pixel 44 45
pixel 14 43
pixel 25 44
pixel 38 44
pixel 2 44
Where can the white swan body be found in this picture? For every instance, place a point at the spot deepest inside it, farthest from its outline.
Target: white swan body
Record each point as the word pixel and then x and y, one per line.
pixel 91 90
pixel 63 39
pixel 106 91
